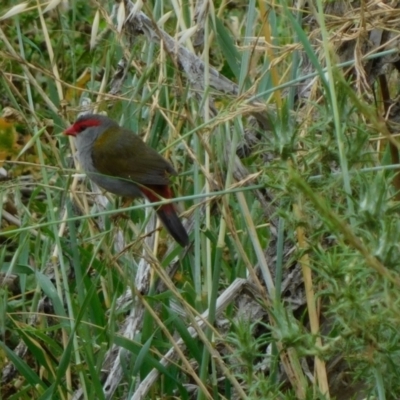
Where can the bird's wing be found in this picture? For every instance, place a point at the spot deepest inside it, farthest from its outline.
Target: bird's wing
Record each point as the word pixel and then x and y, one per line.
pixel 126 156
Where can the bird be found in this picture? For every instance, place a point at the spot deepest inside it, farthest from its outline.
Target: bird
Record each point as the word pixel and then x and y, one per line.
pixel 119 161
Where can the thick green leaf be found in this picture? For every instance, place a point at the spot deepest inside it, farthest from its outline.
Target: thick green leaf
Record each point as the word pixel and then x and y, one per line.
pixel 228 47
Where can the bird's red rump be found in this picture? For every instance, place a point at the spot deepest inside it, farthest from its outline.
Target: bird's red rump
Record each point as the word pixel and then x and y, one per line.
pixel 156 192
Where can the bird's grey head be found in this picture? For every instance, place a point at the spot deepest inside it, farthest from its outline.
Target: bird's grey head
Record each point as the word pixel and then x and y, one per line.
pixel 84 125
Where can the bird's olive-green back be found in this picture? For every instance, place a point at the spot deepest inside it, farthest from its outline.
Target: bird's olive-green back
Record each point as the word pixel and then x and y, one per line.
pixel 119 152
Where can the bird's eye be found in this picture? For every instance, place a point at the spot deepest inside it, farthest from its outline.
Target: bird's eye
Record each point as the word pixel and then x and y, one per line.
pixel 80 128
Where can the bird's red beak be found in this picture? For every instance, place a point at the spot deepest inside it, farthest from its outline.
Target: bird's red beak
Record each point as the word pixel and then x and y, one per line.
pixel 71 131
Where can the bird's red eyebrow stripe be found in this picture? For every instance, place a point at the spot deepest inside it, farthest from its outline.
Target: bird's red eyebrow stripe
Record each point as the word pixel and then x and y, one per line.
pixel 80 125
pixel 88 122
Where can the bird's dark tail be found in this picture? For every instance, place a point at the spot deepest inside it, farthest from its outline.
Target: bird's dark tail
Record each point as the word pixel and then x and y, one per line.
pixel 174 226
pixel 167 213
